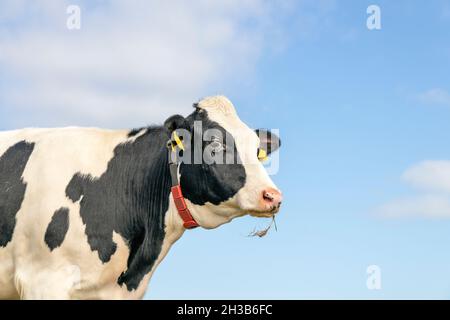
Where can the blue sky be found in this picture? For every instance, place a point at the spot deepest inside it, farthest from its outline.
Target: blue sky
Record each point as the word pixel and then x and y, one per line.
pixel 364 119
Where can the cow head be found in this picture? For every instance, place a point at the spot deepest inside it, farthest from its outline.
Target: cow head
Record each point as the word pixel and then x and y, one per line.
pixel 221 173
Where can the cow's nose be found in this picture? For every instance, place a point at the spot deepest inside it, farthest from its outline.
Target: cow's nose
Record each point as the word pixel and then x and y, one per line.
pixel 272 198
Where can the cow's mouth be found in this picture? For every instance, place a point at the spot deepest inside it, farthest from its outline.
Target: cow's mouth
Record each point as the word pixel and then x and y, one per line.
pixel 262 214
pixel 265 214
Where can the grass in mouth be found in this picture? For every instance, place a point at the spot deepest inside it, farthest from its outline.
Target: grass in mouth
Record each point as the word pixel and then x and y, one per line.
pixel 263 232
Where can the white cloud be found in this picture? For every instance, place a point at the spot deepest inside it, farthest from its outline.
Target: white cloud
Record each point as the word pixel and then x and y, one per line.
pixel 131 63
pixel 435 96
pixel 432 206
pixel 431 177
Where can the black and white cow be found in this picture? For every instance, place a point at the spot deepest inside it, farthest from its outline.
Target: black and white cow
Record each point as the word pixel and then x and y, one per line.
pixel 88 213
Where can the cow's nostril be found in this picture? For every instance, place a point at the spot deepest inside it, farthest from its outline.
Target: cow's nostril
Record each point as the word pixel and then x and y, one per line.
pixel 268 196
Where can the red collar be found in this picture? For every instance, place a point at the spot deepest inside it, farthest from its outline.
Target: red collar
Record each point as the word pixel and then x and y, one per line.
pixel 173 144
pixel 188 221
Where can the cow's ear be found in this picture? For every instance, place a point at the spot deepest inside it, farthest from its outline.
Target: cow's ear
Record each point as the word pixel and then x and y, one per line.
pixel 269 141
pixel 176 122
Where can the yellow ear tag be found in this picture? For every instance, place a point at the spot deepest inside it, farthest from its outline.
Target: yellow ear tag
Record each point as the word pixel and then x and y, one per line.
pixel 178 141
pixel 262 155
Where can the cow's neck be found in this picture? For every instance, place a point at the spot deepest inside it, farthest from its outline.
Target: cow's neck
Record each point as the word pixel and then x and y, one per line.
pixel 154 223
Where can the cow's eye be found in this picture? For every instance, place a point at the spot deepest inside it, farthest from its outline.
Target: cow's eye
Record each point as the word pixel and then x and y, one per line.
pixel 216 147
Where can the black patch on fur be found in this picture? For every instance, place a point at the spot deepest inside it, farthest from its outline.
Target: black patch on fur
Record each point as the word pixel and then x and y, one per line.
pixel 131 199
pixel 57 228
pixel 12 187
pixel 214 183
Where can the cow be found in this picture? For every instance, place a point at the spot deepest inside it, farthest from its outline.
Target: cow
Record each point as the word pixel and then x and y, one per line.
pixel 88 213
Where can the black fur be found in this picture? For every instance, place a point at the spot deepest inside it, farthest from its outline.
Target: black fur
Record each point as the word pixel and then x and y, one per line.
pixel 130 198
pixel 57 228
pixel 12 187
pixel 176 122
pixel 214 183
